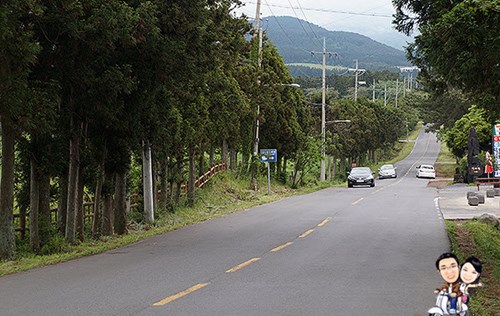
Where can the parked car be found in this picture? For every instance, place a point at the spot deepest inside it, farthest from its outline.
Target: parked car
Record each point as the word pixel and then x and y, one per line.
pixel 426 171
pixel 387 171
pixel 360 176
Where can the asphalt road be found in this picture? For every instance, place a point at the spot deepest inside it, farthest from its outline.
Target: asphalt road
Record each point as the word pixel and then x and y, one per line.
pixel 339 251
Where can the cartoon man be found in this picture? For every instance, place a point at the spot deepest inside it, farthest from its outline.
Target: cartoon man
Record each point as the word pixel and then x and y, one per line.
pixel 448 267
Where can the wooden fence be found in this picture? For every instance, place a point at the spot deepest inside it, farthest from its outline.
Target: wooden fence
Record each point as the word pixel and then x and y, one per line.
pixel 21 223
pixel 21 226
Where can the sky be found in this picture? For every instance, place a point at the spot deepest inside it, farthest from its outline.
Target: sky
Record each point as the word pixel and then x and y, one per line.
pixel 372 18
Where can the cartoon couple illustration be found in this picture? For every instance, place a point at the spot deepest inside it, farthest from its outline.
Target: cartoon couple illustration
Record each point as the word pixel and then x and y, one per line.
pixel 459 281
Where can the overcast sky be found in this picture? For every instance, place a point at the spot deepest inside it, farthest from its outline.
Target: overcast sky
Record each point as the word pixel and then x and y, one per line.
pixel 372 18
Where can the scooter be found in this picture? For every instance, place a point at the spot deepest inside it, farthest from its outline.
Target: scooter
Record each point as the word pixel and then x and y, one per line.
pixel 442 309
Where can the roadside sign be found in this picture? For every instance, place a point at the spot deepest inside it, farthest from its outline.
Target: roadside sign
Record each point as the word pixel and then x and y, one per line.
pixel 268 155
pixel 496 148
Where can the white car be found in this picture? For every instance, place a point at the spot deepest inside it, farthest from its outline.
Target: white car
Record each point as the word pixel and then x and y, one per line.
pixel 387 171
pixel 426 171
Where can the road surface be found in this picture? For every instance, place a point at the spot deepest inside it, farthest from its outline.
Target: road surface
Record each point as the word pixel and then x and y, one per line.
pixel 338 251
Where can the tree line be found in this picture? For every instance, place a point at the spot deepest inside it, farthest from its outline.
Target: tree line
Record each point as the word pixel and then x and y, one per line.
pixel 457 49
pixel 89 89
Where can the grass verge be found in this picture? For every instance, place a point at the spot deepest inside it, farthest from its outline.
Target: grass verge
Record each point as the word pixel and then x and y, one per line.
pixel 227 193
pixel 483 241
pixel 445 163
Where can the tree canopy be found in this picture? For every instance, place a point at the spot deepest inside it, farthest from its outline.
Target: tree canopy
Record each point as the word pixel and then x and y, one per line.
pixel 457 45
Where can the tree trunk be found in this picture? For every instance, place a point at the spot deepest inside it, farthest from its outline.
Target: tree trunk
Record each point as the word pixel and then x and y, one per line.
pixel 80 211
pixel 201 163
pixel 45 220
pixel 34 207
pixel 212 156
pixel 180 177
pixel 107 194
pixel 232 159
pixel 120 208
pixel 278 167
pixel 245 157
pixel 62 206
pixel 162 199
pixel 74 165
pixel 329 168
pixel 224 151
pixel 96 218
pixel 334 172
pixel 154 180
pixel 7 237
pixel 191 184
pixel 22 223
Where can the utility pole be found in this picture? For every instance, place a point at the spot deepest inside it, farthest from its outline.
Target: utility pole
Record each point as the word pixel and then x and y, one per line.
pixel 257 32
pixel 323 114
pixel 257 17
pixel 373 96
pixel 147 179
pixel 385 94
pixel 257 123
pixel 357 72
pixel 397 86
pixel 323 111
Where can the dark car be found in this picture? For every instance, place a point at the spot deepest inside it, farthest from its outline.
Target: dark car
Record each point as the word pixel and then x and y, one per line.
pixel 360 176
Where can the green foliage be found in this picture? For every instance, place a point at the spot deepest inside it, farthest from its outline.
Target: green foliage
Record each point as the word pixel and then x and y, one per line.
pixel 456 138
pixel 458 45
pixel 56 244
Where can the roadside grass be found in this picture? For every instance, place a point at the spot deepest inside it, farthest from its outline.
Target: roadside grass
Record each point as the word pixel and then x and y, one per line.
pixel 227 193
pixel 445 163
pixel 483 241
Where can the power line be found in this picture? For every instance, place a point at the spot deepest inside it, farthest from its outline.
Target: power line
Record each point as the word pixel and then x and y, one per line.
pixel 326 10
pixel 283 29
pixel 308 23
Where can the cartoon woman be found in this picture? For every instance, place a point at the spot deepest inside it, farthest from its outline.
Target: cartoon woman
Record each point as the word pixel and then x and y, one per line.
pixel 469 276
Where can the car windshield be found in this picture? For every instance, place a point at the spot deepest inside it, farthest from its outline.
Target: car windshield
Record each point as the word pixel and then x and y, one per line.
pixel 360 171
pixel 427 167
pixel 387 167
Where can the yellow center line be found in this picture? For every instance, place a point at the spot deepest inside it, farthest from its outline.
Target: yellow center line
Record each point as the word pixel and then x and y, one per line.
pixel 242 265
pixel 180 294
pixel 282 246
pixel 323 222
pixel 306 233
pixel 356 202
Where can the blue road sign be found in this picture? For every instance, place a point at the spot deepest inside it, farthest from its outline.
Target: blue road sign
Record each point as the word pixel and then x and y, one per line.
pixel 268 155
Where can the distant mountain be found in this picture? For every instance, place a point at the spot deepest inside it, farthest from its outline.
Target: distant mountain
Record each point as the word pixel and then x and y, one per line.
pixel 296 39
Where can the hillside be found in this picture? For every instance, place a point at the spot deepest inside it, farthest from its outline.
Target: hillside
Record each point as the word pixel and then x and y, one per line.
pixel 296 39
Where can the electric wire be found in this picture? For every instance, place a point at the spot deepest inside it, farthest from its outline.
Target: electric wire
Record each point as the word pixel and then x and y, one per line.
pixel 286 34
pixel 329 11
pixel 308 23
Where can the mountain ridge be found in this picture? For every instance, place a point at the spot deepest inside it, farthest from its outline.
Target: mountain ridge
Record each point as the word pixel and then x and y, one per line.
pixel 296 39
